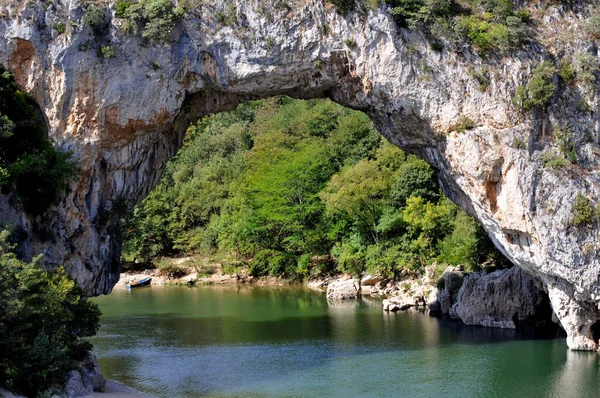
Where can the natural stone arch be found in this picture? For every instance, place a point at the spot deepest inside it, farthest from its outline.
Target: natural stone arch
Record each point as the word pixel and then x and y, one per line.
pixel 124 118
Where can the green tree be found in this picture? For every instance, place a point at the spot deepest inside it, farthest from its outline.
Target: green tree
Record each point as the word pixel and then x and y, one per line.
pixel 43 318
pixel 29 165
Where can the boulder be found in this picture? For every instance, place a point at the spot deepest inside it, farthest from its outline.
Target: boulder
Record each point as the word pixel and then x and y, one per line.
pixel 499 299
pixel 411 294
pixel 90 373
pixel 74 387
pixel 86 380
pixel 348 289
pixel 449 285
pixel 370 280
pixel 432 301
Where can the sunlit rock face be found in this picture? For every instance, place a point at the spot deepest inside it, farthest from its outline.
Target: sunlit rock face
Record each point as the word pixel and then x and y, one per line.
pixel 124 116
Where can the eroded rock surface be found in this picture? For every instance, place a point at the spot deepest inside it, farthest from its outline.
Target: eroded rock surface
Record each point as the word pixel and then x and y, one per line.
pixel 498 299
pixel 348 289
pixel 85 380
pixel 448 287
pixel 125 116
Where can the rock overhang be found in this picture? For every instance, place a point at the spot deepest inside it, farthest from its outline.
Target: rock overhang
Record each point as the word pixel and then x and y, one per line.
pixel 125 116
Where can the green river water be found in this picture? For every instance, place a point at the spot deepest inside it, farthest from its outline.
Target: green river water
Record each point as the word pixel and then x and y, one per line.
pixel 241 341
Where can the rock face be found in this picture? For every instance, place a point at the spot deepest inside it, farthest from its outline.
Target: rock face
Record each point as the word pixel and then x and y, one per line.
pixel 85 380
pixel 348 289
pixel 448 288
pixel 124 116
pixel 499 299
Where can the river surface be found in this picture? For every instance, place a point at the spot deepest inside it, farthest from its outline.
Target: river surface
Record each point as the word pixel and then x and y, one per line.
pixel 262 342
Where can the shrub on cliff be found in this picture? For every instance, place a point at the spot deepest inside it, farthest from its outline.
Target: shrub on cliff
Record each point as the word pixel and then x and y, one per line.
pixel 539 90
pixel 29 165
pixel 583 211
pixel 95 19
pixel 155 19
pixel 43 318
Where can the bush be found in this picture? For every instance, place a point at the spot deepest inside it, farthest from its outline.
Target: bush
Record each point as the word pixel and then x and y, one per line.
pixel 586 68
pixel 482 77
pixel 157 18
pixel 60 28
pixel 350 43
pixel 566 72
pixel 553 161
pixel 343 7
pixel 592 26
pixel 44 317
pixel 539 91
pixel 272 262
pixel 540 88
pixel 122 9
pixel 350 255
pixel 227 17
pixel 107 52
pixel 490 33
pixel 463 125
pixel 95 19
pixel 29 165
pixel 583 211
pixel 566 145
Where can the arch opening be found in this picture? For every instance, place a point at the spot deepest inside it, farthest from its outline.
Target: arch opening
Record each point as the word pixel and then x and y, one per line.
pixel 299 188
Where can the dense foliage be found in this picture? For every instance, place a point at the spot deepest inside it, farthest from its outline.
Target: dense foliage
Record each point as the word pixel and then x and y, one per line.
pixel 154 18
pixel 29 165
pixel 539 90
pixel 43 317
pixel 297 188
pixel 485 24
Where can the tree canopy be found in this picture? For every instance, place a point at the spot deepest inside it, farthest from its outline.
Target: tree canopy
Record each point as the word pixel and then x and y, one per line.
pixel 298 188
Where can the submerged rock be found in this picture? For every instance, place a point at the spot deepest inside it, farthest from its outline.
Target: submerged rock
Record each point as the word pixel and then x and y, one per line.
pixel 499 299
pixel 348 289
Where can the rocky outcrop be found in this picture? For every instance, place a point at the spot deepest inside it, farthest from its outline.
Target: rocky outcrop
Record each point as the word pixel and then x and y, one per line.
pixel 348 289
pixel 124 115
pixel 448 287
pixel 85 380
pixel 410 292
pixel 81 382
pixel 499 299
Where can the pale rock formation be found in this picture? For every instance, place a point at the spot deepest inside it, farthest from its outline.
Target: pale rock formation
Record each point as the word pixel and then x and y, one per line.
pixel 412 293
pixel 123 119
pixel 499 298
pixel 370 280
pixel 433 303
pixel 348 289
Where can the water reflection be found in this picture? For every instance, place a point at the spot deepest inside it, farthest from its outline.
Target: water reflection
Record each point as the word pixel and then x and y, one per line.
pixel 273 342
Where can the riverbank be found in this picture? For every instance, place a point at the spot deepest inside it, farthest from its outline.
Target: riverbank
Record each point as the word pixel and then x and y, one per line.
pixel 492 298
pixel 193 270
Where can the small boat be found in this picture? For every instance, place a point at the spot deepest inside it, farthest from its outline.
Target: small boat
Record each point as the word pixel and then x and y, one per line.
pixel 142 282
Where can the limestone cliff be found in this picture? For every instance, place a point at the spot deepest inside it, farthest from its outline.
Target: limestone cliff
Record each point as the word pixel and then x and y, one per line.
pixel 121 103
